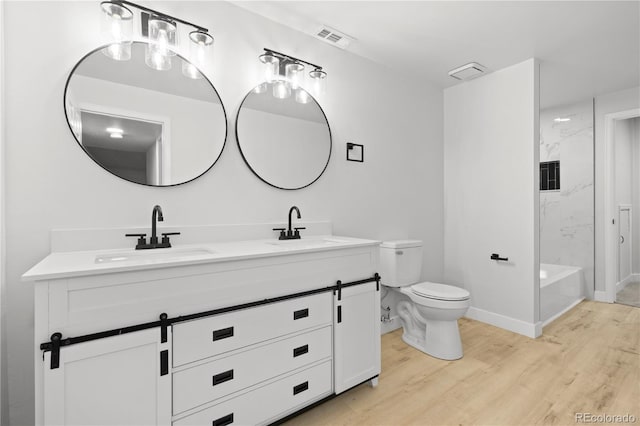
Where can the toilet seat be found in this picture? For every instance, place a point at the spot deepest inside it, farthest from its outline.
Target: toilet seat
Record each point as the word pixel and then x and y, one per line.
pixel 439 291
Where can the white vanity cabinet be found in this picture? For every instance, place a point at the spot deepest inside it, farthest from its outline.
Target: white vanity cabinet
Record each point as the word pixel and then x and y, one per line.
pixel 112 381
pixel 245 340
pixel 356 329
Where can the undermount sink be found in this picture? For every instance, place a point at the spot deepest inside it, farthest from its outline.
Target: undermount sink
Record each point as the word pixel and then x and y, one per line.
pixel 307 243
pixel 153 254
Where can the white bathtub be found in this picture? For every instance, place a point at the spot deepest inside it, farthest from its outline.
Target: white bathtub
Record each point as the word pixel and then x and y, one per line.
pixel 561 288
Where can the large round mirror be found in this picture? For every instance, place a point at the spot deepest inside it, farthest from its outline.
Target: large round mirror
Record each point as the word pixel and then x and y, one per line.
pixel 285 142
pixel 158 128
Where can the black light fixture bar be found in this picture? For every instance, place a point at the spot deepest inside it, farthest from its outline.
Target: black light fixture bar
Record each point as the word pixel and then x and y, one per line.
pixel 164 15
pixel 291 58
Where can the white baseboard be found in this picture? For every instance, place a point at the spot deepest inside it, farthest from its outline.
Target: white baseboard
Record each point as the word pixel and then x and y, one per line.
pixel 512 324
pixel 622 284
pixel 601 296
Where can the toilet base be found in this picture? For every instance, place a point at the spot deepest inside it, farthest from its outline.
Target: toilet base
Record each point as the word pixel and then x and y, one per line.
pixel 442 340
pixel 439 338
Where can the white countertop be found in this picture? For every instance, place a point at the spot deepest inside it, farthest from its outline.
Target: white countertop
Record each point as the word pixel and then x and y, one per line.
pixel 93 262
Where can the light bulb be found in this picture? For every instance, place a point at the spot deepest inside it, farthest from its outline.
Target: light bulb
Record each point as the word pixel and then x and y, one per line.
pixel 281 89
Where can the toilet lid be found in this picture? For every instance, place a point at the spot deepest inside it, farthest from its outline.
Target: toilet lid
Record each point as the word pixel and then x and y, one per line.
pixel 440 291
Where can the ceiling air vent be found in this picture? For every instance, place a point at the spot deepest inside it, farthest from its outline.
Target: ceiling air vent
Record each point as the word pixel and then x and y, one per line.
pixel 333 37
pixel 468 71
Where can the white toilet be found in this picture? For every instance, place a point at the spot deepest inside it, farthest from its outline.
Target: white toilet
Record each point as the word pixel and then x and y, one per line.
pixel 430 318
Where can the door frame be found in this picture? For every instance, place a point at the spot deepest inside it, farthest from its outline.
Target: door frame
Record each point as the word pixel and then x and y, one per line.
pixel 621 208
pixel 610 208
pixel 165 149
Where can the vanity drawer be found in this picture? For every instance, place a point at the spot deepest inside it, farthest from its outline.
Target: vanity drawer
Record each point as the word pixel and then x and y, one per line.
pixel 265 404
pixel 206 382
pixel 202 338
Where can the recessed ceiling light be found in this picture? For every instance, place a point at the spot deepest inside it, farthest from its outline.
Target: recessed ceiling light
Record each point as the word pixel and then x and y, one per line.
pixel 114 130
pixel 116 135
pixel 561 119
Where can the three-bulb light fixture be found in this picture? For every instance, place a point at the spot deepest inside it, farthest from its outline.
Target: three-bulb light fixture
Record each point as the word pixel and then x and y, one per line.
pixel 161 31
pixel 285 75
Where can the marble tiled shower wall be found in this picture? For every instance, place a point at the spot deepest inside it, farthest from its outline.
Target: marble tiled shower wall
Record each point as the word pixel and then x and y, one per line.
pixel 567 215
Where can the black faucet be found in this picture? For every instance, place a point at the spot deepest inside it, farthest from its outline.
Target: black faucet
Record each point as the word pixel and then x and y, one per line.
pixel 291 234
pixel 156 215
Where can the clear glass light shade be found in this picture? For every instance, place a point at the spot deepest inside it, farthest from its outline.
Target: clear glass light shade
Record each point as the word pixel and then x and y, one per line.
pixel 157 59
pixel 199 48
pixel 117 30
pixel 302 96
pixel 271 67
pixel 261 88
pixel 295 74
pixel 318 81
pixel 163 35
pixel 118 51
pixel 191 71
pixel 281 89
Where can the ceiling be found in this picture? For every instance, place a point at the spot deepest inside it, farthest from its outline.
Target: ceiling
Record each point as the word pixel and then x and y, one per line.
pixel 585 48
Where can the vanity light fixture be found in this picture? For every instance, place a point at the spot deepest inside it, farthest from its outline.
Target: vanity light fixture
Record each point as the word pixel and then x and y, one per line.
pixel 117 28
pixel 287 73
pixel 200 43
pixel 271 65
pixel 162 33
pixel 162 42
pixel 318 81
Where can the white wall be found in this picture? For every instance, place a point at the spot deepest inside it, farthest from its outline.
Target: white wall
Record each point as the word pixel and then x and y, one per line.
pixel 491 154
pixel 566 216
pixel 51 183
pixel 623 100
pixel 3 375
pixel 636 195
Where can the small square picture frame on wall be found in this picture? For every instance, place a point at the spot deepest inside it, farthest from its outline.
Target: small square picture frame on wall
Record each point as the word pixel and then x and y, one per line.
pixel 355 152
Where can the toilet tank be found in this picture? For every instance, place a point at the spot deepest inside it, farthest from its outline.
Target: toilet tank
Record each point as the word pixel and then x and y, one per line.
pixel 400 262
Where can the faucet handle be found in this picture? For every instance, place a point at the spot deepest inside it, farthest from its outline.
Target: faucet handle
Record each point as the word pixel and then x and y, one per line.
pixel 296 234
pixel 282 234
pixel 141 239
pixel 165 237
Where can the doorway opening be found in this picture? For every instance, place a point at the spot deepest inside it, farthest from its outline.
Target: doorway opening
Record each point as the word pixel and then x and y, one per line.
pixel 622 209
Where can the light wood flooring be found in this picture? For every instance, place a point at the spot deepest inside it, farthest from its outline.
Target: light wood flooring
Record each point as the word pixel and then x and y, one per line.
pixel 586 361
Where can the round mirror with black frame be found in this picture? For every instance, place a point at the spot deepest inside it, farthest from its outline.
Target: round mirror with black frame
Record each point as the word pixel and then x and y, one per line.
pixel 152 127
pixel 286 142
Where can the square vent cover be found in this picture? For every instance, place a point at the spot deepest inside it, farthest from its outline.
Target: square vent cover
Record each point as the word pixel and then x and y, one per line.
pixel 468 71
pixel 333 37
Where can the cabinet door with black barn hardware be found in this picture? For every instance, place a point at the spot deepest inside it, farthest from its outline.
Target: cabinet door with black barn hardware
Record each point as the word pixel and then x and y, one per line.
pixel 122 379
pixel 356 332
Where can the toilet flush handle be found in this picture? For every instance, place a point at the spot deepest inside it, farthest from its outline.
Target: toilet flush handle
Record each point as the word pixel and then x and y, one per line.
pixel 399 252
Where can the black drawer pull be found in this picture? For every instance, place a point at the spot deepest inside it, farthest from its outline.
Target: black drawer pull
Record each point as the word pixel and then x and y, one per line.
pixel 222 377
pixel 302 313
pixel 300 388
pixel 300 351
pixel 164 362
pixel 223 333
pixel 223 421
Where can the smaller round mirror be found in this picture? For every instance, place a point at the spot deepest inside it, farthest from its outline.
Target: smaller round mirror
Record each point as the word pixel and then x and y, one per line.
pixel 148 126
pixel 285 140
